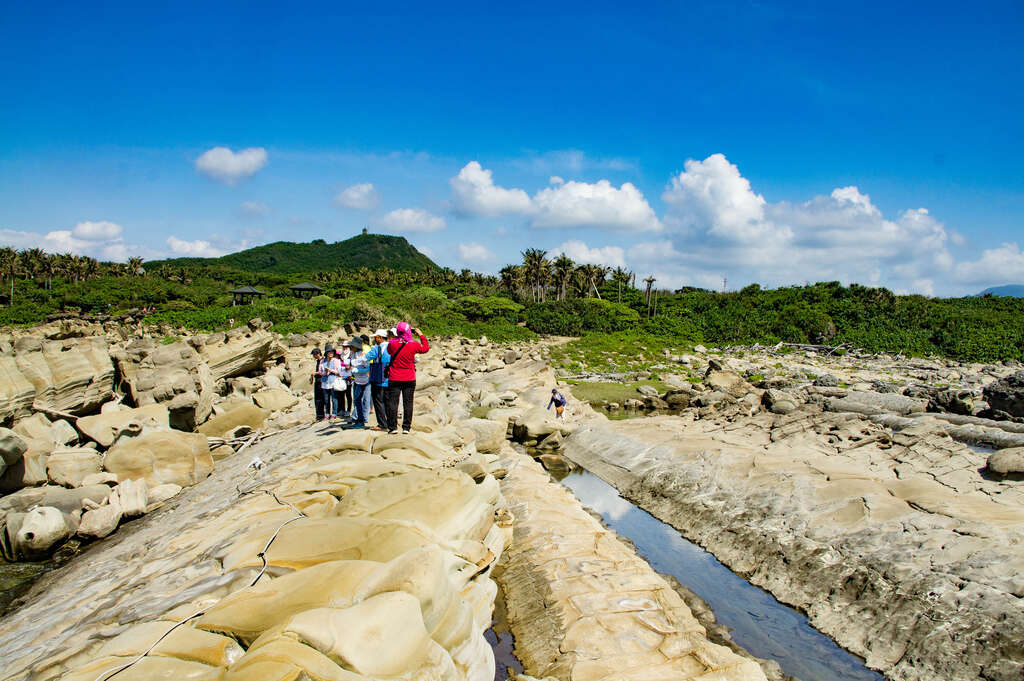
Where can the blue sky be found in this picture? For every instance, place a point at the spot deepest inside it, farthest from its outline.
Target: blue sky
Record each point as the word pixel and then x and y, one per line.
pixel 769 142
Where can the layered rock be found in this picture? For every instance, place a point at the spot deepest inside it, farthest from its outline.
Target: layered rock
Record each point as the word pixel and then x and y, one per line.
pixel 173 375
pixel 393 581
pixel 73 376
pixel 239 351
pixel 887 541
pixel 583 606
pixel 161 457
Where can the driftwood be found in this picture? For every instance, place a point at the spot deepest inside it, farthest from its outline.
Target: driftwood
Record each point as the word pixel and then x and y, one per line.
pixel 238 443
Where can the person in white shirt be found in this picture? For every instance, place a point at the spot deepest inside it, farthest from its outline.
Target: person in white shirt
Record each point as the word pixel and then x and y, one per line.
pixel 360 381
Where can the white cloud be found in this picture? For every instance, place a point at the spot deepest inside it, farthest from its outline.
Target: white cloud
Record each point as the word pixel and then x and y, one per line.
pixel 612 256
pixel 996 266
pixel 653 251
pixel 429 252
pixel 712 195
pixel 411 220
pixel 475 194
pixel 599 205
pixel 361 196
pixel 101 240
pixel 721 228
pixel 228 166
pixel 555 179
pixel 253 208
pixel 474 252
pixel 97 231
pixel 194 249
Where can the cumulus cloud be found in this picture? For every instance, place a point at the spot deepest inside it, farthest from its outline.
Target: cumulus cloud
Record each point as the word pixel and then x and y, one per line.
pixel 101 240
pixel 411 220
pixel 199 248
pixel 361 196
pixel 996 266
pixel 475 194
pixel 97 231
pixel 561 205
pixel 253 209
pixel 474 252
pixel 600 205
pixel 720 227
pixel 612 256
pixel 228 166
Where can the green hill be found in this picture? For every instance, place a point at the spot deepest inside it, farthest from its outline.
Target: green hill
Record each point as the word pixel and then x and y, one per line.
pixel 285 257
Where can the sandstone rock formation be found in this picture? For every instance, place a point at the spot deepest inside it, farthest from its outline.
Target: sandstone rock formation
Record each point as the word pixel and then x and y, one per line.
pixel 1007 394
pixel 172 375
pixel 73 376
pixel 161 457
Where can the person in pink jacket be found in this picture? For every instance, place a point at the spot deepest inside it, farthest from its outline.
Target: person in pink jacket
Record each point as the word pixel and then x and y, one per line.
pixel 402 373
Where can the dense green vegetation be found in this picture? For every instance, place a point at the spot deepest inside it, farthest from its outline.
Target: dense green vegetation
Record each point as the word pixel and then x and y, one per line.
pixel 286 257
pixel 618 320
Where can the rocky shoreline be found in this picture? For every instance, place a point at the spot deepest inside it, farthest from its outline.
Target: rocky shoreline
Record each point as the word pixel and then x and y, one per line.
pixel 858 507
pixel 261 545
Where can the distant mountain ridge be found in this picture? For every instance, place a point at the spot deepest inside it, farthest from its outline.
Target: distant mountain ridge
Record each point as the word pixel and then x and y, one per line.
pixel 1011 290
pixel 373 251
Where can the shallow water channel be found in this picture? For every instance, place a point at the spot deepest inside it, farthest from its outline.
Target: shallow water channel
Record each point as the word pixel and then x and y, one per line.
pixel 759 623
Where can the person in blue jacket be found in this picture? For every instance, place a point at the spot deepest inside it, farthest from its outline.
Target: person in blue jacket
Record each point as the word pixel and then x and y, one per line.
pixel 378 360
pixel 557 399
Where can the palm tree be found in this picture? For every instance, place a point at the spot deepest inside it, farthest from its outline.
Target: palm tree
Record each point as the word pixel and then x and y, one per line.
pixel 620 276
pixel 9 260
pixel 647 294
pixel 537 270
pixel 562 268
pixel 49 267
pixel 33 260
pixel 135 266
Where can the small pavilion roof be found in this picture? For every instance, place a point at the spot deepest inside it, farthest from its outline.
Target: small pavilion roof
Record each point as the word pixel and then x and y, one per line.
pixel 305 286
pixel 248 290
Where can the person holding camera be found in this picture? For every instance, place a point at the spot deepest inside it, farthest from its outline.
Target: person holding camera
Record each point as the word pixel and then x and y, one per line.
pixel 402 374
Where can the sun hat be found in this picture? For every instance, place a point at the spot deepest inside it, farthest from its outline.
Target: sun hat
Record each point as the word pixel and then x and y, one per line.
pixel 381 333
pixel 316 351
pixel 329 348
pixel 356 344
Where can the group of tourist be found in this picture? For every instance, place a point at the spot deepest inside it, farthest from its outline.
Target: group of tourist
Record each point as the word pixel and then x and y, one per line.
pixel 369 375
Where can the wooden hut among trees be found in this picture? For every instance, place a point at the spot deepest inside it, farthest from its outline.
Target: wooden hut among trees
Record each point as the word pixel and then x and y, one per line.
pixel 305 290
pixel 245 295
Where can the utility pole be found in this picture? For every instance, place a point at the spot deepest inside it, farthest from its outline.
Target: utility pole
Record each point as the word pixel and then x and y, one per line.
pixel 725 284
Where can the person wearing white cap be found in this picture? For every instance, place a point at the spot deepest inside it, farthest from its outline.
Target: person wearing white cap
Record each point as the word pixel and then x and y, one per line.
pixel 378 359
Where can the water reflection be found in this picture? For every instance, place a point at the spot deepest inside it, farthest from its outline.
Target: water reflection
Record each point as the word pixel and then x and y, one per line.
pixel 759 623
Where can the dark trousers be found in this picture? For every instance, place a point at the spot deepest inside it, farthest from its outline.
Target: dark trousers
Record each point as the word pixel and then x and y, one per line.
pixel 360 404
pixel 405 390
pixel 318 401
pixel 378 392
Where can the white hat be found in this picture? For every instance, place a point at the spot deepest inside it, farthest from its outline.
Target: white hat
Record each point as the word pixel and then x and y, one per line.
pixel 383 333
pixel 393 331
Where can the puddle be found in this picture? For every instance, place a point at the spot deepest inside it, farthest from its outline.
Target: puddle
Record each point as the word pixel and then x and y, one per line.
pixel 17 578
pixel 501 640
pixel 759 623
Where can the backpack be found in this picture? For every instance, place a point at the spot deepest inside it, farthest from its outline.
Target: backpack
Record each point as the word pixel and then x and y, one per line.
pixel 379 370
pixel 387 371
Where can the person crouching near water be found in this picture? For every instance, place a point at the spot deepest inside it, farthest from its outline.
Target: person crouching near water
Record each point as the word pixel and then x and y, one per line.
pixel 557 399
pixel 402 374
pixel 360 381
pixel 330 382
pixel 378 360
pixel 319 402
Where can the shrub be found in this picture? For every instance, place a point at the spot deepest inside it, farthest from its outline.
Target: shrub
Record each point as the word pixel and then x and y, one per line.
pixel 574 317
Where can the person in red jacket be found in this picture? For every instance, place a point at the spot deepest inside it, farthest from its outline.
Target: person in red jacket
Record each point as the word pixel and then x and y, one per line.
pixel 402 374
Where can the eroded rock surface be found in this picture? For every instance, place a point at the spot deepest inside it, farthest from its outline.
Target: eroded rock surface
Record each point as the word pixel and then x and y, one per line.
pixel 894 544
